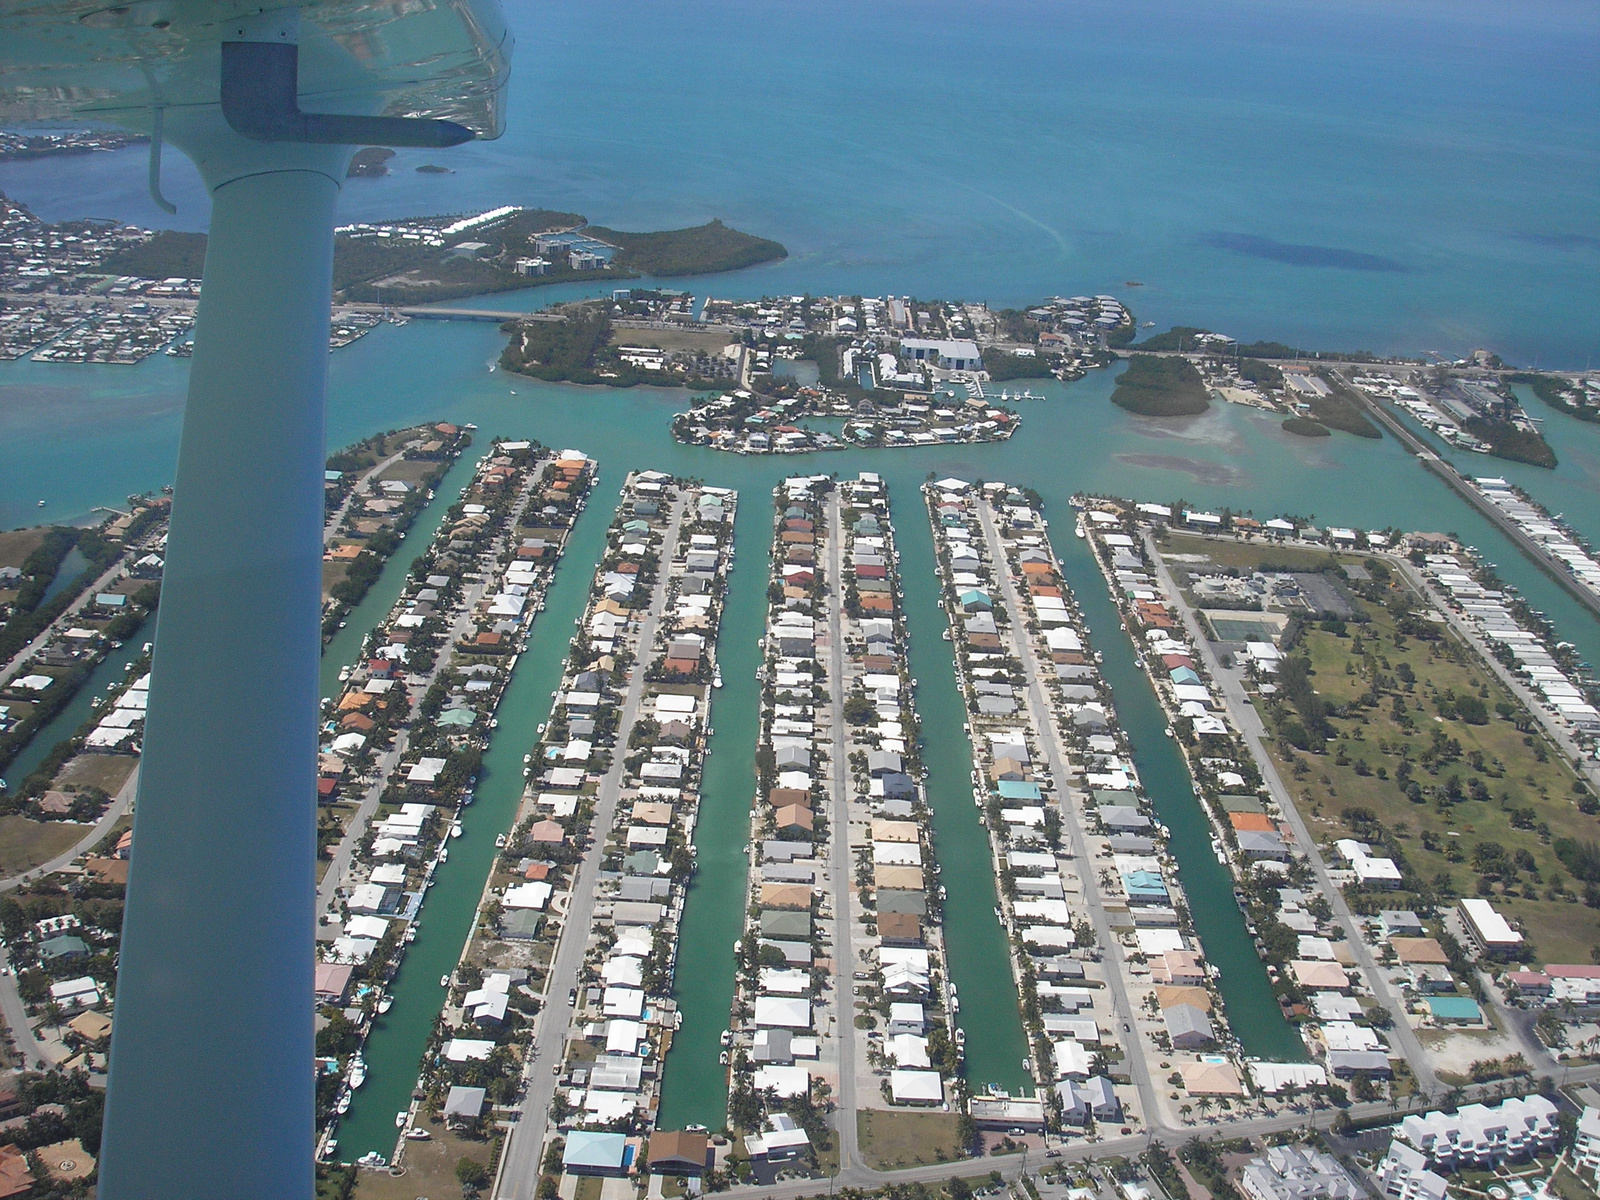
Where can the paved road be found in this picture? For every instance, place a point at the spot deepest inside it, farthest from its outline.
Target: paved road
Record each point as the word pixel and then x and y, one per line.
pixel 1446 471
pixel 15 1013
pixel 335 518
pixel 25 655
pixel 1126 1014
pixel 121 803
pixel 839 865
pixel 1248 721
pixel 1012 1166
pixel 519 1169
pixel 344 851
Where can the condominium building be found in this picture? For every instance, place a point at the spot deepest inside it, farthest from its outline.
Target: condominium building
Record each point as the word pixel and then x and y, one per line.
pixel 1483 1136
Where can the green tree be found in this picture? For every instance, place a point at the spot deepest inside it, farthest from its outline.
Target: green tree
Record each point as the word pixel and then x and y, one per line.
pixel 471 1174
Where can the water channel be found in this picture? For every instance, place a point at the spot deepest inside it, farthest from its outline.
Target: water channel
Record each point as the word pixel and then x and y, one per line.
pixel 1073 440
pixel 345 646
pixel 112 670
pixel 395 1048
pixel 694 1089
pixel 1247 997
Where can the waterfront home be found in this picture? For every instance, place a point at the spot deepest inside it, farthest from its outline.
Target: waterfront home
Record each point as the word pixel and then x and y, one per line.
pixel 1211 1077
pixel 680 1153
pixel 916 1088
pixel 780 1141
pixel 590 1153
pixel 1189 1027
pixel 463 1106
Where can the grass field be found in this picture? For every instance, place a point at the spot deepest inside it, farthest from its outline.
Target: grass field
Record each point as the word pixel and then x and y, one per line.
pixel 670 339
pixel 16 545
pixel 1248 556
pixel 406 470
pixel 333 574
pixel 108 772
pixel 1473 807
pixel 430 1167
pixel 25 843
pixel 905 1139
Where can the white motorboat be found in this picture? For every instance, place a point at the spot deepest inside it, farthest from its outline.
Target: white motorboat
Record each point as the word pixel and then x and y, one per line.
pixel 400 1119
pixel 500 841
pixel 455 829
pixel 385 1004
pixel 358 1071
pixel 417 1134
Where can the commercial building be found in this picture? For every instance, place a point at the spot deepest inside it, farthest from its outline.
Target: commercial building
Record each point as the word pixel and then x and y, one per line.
pixel 950 355
pixel 1489 931
pixel 1480 1136
pixel 1404 1175
pixel 1586 1147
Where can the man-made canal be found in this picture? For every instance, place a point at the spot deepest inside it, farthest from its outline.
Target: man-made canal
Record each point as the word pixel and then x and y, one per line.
pixel 1251 1008
pixel 345 646
pixel 394 1049
pixel 695 1087
pixel 1072 441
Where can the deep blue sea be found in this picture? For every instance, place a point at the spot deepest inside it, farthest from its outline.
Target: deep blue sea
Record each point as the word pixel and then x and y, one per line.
pixel 1338 174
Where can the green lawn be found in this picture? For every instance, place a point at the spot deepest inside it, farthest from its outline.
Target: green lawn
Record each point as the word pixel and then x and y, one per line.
pixel 1248 556
pixel 1505 796
pixel 906 1139
pixel 17 544
pixel 26 843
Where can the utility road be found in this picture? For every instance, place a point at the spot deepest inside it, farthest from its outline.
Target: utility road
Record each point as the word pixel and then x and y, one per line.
pixel 1248 722
pixel 1039 702
pixel 520 1161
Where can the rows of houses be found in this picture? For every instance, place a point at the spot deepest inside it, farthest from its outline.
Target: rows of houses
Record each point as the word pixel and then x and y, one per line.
pixel 673 541
pixel 896 913
pixel 1486 609
pixel 1558 542
pixel 1255 838
pixel 1036 819
pixel 775 1042
pixel 416 710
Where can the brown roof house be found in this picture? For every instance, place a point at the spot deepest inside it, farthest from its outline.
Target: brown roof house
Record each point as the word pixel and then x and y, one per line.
pixel 678 1153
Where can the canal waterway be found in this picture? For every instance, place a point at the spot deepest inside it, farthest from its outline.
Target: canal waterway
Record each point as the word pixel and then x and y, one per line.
pixel 344 648
pixel 394 1049
pixel 73 564
pixel 112 669
pixel 694 1088
pixel 1247 997
pixel 975 943
pixel 1072 440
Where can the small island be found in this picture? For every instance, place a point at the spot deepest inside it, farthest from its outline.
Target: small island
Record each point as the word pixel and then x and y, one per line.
pixel 423 260
pixel 1161 387
pixel 1306 427
pixel 371 162
pixel 1471 404
pixel 702 250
